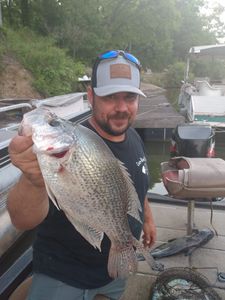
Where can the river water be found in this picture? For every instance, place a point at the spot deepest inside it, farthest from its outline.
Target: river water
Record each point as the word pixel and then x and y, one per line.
pixel 158 152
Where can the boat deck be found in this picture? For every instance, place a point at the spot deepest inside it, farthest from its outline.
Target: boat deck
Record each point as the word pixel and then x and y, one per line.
pixel 171 223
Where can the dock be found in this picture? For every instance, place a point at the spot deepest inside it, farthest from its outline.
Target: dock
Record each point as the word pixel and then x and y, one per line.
pixel 171 223
pixel 209 260
pixel 156 117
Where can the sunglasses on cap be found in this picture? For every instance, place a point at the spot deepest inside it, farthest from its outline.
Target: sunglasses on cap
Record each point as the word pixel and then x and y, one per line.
pixel 115 53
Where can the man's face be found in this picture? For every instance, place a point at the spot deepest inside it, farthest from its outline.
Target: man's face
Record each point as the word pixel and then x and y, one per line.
pixel 115 113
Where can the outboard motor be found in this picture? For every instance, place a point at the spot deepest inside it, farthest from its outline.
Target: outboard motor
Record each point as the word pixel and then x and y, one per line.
pixel 193 140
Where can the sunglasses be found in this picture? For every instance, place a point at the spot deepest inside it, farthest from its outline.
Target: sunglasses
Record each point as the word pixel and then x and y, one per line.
pixel 110 55
pixel 115 53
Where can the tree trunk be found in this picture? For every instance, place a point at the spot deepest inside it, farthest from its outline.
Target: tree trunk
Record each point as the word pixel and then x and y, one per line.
pixel 25 12
pixel 9 11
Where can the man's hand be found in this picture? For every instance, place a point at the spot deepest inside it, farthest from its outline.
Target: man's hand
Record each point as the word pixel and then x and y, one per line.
pixel 149 228
pixel 28 202
pixel 149 236
pixel 22 156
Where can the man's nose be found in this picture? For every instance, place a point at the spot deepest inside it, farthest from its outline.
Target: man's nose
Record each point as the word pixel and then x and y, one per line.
pixel 120 104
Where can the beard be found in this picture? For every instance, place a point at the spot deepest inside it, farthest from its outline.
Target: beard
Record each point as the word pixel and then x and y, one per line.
pixel 108 128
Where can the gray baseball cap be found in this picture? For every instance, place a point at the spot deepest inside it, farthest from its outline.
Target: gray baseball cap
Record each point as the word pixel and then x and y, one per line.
pixel 117 75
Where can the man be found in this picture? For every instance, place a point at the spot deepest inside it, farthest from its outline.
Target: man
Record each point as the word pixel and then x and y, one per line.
pixel 65 265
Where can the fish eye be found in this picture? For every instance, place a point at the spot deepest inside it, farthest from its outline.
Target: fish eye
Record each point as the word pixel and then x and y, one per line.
pixel 54 123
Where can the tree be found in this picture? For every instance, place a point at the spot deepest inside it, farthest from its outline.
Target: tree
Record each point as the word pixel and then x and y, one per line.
pixel 192 30
pixel 214 22
pixel 159 32
pixel 25 12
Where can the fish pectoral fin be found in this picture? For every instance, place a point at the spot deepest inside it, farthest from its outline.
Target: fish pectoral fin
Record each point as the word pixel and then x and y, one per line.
pixel 52 196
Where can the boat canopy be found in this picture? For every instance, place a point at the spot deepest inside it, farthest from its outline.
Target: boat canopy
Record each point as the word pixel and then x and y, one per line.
pixel 209 50
pixel 206 51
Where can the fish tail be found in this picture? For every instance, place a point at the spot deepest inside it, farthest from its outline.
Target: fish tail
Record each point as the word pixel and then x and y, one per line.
pixel 156 266
pixel 122 260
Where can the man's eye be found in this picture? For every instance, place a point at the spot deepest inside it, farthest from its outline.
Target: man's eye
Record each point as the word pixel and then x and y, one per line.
pixel 131 97
pixel 109 97
pixel 54 123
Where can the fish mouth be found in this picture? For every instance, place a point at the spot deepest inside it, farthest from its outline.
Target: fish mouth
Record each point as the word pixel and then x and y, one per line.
pixel 59 154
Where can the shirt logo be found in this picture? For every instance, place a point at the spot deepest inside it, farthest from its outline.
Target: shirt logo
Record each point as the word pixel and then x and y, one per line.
pixel 144 170
pixel 142 162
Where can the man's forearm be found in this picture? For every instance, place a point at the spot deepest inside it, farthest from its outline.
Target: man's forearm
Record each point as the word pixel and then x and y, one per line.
pixel 148 217
pixel 149 236
pixel 27 204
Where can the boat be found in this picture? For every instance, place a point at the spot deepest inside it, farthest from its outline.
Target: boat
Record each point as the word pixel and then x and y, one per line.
pixel 15 245
pixel 16 259
pixel 202 94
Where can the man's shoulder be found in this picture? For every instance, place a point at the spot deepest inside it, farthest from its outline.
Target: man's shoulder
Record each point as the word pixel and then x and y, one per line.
pixel 132 133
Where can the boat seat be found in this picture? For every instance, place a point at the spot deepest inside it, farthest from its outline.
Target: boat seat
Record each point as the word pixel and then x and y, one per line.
pixel 192 179
pixel 221 87
pixel 21 291
pixel 205 89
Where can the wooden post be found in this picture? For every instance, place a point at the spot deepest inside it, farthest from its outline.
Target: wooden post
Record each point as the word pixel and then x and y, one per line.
pixel 190 216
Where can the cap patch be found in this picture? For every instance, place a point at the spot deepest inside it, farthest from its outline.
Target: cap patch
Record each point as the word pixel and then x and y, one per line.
pixel 120 71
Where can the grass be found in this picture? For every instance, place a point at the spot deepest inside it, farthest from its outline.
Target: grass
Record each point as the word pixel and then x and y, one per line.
pixel 53 70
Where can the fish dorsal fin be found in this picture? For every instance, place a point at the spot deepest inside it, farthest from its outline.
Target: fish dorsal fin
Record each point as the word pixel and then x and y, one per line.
pixel 133 203
pixel 52 196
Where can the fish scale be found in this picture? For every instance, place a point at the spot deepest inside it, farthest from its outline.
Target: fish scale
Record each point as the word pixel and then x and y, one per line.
pixel 91 186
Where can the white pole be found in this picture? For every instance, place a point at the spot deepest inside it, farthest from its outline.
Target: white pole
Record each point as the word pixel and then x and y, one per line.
pixel 0 14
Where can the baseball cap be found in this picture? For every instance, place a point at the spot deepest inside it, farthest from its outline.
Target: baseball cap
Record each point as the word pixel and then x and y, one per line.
pixel 116 74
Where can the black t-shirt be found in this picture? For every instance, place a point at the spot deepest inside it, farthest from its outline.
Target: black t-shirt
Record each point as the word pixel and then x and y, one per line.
pixel 62 253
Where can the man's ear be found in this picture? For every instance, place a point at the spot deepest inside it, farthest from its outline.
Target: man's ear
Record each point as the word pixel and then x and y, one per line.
pixel 90 95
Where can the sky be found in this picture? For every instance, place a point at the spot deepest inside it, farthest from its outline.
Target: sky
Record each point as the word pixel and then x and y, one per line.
pixel 212 3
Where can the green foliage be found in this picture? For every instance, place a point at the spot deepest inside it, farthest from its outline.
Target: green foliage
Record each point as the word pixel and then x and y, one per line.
pixel 155 78
pixel 175 74
pixel 213 69
pixel 158 32
pixel 54 72
pixel 2 48
pixel 192 29
pixel 169 78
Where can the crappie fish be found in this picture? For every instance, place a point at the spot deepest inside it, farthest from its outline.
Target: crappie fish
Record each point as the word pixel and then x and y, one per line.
pixel 85 180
